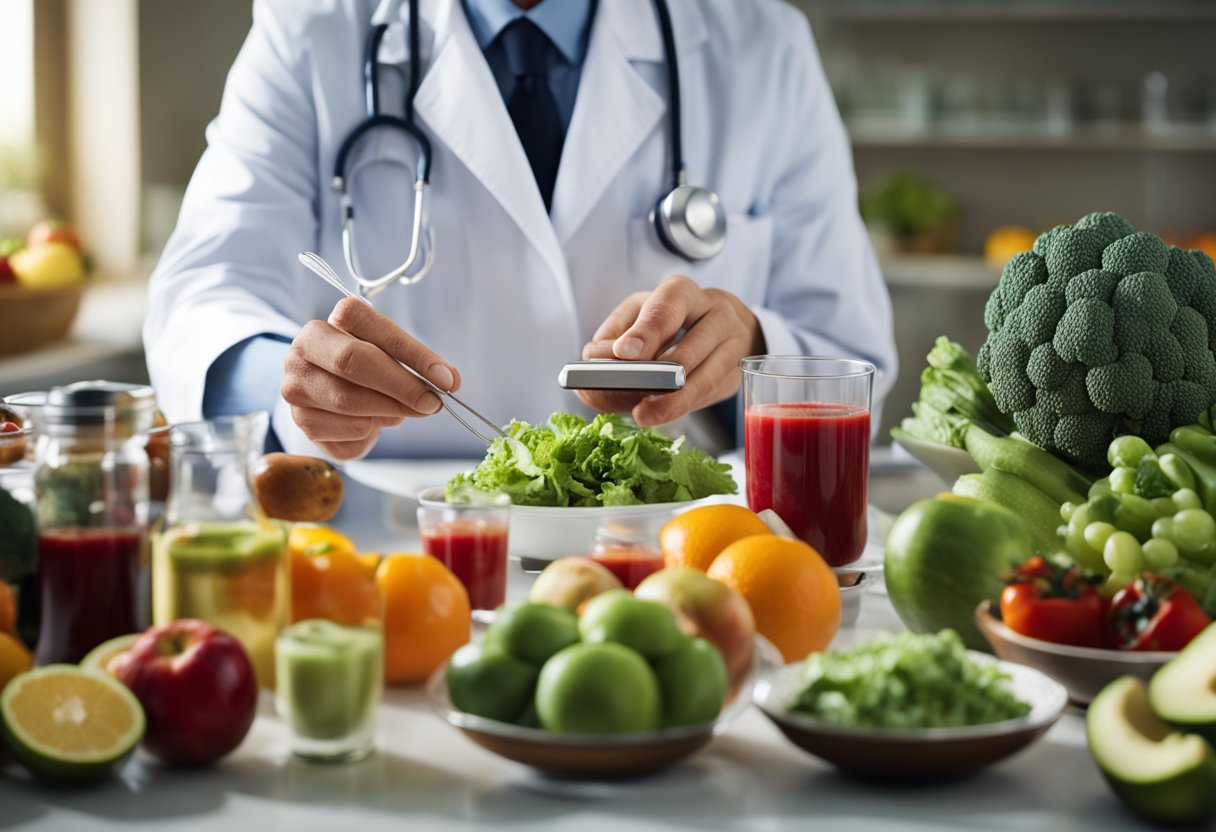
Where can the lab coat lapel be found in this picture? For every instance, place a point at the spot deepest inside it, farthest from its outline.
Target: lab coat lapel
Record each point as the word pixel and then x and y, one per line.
pixel 616 108
pixel 461 105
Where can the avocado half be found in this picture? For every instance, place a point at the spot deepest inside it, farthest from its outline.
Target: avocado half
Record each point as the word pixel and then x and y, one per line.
pixel 1158 773
pixel 1183 692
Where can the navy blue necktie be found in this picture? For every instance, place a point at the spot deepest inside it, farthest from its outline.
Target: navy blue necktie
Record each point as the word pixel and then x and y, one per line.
pixel 531 104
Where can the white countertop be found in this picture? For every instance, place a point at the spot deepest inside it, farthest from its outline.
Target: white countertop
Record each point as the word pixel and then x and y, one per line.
pixel 426 775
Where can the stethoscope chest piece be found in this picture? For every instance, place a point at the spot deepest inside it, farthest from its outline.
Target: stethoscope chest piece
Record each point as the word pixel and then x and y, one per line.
pixel 691 222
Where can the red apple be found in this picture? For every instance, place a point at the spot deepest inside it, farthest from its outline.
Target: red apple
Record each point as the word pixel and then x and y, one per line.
pixel 709 609
pixel 52 231
pixel 7 275
pixel 197 687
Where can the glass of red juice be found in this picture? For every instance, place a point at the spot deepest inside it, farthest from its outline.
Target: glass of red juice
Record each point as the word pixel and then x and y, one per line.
pixel 807 447
pixel 470 540
pixel 629 547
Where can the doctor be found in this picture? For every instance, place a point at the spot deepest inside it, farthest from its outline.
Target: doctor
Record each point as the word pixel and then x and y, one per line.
pixel 554 128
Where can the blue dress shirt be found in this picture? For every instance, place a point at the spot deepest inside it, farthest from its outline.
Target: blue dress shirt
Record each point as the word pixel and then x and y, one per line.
pixel 246 377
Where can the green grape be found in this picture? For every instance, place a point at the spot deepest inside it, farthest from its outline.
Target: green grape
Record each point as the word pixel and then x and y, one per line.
pixel 1164 506
pixel 1066 510
pixel 1159 553
pixel 1194 529
pixel 1185 498
pixel 1096 534
pixel 1136 515
pixel 1123 480
pixel 1074 541
pixel 1126 451
pixel 1122 553
pixel 1100 487
pixel 1163 529
pixel 1116 581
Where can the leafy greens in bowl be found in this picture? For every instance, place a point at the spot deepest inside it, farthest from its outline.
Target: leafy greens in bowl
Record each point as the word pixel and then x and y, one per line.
pixel 608 461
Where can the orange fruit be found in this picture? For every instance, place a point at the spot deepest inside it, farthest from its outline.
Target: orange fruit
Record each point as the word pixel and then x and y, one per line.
pixel 336 585
pixel 793 594
pixel 426 615
pixel 8 609
pixel 1006 241
pixel 14 659
pixel 311 539
pixel 696 537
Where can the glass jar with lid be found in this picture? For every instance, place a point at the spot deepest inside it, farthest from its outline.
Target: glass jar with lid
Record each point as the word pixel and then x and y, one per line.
pixel 91 490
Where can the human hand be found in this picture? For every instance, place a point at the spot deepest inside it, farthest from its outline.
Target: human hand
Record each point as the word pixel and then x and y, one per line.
pixel 343 382
pixel 718 330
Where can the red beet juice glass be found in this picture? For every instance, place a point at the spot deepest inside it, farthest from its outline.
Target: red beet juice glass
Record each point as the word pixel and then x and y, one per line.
pixel 470 539
pixel 807 447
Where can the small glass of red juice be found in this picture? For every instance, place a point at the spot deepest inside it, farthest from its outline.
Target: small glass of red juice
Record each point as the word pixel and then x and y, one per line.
pixel 807 447
pixel 470 539
pixel 629 547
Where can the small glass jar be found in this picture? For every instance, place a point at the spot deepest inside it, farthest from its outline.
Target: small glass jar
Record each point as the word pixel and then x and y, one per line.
pixel 91 485
pixel 629 546
pixel 217 559
pixel 471 540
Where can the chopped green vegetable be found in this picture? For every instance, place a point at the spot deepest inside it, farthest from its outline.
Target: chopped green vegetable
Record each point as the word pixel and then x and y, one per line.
pixel 952 398
pixel 608 461
pixel 906 681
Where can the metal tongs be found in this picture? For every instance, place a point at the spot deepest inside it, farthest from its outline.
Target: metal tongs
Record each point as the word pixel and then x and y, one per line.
pixel 317 265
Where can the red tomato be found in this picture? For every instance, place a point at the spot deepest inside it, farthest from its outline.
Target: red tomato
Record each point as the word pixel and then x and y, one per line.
pixel 1154 613
pixel 53 231
pixel 1055 604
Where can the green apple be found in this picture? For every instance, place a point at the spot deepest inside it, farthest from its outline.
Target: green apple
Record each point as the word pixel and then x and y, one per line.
pixel 1158 773
pixel 490 682
pixel 693 683
pixel 1183 692
pixel 598 689
pixel 617 616
pixel 533 632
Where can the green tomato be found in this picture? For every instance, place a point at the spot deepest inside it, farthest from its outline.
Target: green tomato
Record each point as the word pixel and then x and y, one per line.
pixel 598 689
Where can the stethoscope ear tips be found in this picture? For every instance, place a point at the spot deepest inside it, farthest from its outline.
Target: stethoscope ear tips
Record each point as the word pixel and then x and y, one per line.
pixel 691 222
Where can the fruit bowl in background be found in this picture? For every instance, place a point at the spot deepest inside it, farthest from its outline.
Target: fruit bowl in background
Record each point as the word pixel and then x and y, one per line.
pixel 599 756
pixel 915 754
pixel 31 318
pixel 546 533
pixel 1084 671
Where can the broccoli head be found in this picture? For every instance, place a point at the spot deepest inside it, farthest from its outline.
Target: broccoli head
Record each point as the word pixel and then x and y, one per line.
pixel 1098 331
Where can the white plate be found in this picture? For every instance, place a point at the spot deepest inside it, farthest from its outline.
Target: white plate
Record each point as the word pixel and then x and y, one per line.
pixel 406 477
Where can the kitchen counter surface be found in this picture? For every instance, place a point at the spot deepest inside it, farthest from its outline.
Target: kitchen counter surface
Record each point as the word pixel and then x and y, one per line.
pixel 427 776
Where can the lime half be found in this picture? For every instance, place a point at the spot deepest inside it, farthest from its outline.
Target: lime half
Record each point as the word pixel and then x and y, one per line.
pixel 101 656
pixel 69 724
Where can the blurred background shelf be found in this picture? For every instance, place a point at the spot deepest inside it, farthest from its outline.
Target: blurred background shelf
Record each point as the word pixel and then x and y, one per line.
pixel 1120 137
pixel 930 11
pixel 954 272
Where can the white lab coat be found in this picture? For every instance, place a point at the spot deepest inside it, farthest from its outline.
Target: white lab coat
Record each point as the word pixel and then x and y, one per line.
pixel 515 292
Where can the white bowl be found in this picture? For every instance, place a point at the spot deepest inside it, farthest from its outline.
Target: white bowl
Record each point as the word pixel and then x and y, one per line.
pixel 546 533
pixel 948 463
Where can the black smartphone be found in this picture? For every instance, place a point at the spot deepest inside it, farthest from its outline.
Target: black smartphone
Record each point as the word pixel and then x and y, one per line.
pixel 614 374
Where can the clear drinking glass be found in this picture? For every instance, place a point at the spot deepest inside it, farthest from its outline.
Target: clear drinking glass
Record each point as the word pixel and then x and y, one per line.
pixel 807 447
pixel 470 539
pixel 330 677
pixel 218 559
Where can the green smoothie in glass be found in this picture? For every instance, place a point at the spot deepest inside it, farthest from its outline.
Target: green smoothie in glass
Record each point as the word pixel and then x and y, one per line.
pixel 234 574
pixel 330 679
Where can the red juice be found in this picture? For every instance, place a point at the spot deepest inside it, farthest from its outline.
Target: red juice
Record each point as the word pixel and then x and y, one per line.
pixel 87 581
pixel 630 564
pixel 476 554
pixel 810 463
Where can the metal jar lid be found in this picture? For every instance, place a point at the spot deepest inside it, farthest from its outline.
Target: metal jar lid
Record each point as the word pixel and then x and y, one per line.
pixel 127 408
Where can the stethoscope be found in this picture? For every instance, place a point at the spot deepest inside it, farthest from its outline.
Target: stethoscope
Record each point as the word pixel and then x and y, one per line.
pixel 689 220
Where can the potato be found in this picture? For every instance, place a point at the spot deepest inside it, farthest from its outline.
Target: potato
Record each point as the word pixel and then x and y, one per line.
pixel 299 489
